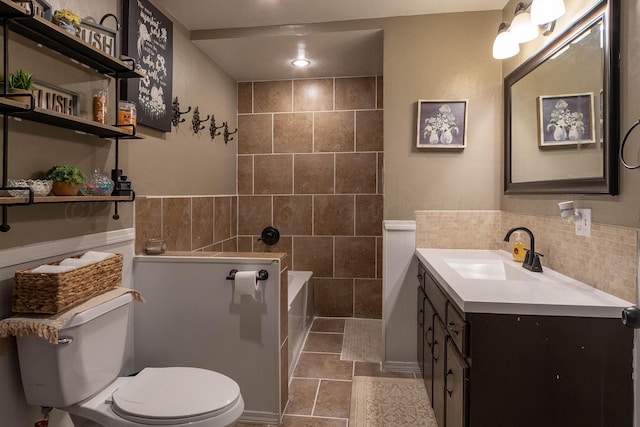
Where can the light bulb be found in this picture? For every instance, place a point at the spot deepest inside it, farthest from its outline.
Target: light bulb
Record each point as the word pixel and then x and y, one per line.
pixel 504 46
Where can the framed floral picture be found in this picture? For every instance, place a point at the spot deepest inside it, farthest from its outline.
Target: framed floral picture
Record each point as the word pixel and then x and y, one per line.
pixel 566 120
pixel 442 124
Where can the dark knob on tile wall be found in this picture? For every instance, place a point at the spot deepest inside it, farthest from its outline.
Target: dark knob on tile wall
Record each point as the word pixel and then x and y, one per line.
pixel 270 235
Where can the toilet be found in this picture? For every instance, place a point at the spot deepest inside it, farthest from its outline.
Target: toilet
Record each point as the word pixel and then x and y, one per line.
pixel 80 376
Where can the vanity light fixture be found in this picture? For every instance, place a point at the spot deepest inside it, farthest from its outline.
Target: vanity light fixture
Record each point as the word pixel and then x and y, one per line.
pixel 522 29
pixel 568 213
pixel 504 46
pixel 546 11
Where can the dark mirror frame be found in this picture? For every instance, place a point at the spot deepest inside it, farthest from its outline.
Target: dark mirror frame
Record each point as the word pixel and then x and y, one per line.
pixel 609 12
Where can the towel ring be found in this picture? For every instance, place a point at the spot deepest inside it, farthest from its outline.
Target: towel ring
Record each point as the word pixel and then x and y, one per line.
pixel 624 141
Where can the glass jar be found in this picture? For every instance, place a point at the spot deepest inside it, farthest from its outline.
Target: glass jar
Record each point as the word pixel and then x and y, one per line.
pixel 100 106
pixel 97 185
pixel 127 114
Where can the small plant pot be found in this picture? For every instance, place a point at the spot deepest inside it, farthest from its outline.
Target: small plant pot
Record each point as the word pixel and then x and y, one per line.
pixel 65 189
pixel 24 99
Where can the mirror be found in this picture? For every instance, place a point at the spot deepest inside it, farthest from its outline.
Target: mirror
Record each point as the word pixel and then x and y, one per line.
pixel 561 111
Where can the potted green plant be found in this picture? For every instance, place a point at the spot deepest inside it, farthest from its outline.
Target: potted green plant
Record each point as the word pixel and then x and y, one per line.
pixel 21 81
pixel 66 180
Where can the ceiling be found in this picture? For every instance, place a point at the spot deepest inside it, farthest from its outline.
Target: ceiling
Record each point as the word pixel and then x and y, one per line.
pixel 258 39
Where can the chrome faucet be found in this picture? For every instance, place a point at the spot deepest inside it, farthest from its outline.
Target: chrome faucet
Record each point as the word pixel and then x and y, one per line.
pixel 532 259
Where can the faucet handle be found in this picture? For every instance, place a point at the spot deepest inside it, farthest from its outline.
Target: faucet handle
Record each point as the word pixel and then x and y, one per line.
pixel 535 263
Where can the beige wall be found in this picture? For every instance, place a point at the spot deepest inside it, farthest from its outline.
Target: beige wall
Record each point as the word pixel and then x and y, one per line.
pixel 441 57
pixel 623 209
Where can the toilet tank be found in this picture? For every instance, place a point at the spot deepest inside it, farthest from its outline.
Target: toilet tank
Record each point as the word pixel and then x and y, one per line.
pixel 89 356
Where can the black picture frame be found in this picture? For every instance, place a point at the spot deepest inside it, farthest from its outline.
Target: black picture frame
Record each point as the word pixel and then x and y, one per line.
pixel 442 124
pixel 148 39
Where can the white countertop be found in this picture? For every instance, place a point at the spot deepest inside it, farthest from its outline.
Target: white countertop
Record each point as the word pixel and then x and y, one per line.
pixel 548 293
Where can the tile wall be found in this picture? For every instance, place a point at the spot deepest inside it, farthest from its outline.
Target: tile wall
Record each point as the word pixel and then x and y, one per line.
pixel 608 260
pixel 197 223
pixel 310 156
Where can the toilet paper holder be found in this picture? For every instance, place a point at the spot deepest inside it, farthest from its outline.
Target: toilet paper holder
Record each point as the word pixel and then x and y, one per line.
pixel 261 275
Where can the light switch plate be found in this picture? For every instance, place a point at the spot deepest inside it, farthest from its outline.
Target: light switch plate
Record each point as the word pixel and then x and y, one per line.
pixel 583 225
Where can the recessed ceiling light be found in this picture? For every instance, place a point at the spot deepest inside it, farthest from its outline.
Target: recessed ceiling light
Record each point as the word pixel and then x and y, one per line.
pixel 301 62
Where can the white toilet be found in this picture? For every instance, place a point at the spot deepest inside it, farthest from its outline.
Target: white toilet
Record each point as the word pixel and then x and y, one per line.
pixel 80 376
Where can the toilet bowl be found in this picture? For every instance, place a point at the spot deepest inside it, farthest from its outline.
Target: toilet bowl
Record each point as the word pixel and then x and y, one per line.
pixel 80 375
pixel 164 397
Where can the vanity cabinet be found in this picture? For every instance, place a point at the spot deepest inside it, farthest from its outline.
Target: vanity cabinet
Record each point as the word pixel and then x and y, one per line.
pixel 437 343
pixel 527 370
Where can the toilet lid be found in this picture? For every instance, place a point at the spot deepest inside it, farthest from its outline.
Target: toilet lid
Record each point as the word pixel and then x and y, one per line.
pixel 166 394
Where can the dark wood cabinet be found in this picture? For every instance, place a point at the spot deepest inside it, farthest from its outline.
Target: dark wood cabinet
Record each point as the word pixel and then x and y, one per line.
pixel 421 330
pixel 525 370
pixel 455 387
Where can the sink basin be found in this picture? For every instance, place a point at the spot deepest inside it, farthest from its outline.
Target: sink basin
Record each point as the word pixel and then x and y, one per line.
pixel 493 269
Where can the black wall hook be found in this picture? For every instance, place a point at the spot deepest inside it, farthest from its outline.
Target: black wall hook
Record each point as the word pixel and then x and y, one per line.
pixel 213 129
pixel 227 134
pixel 196 122
pixel 176 113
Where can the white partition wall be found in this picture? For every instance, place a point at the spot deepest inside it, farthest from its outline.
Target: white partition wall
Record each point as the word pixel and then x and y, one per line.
pixel 399 285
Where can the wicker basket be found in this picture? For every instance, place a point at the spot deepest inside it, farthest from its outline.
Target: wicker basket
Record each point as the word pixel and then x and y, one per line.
pixel 52 293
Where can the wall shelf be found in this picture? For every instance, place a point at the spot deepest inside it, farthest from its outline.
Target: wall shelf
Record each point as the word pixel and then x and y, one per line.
pixel 8 200
pixel 66 121
pixel 16 19
pixel 52 36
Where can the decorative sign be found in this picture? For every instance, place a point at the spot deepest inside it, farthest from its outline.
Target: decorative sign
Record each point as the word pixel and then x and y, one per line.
pixel 148 39
pixel 50 97
pixel 100 37
pixel 42 8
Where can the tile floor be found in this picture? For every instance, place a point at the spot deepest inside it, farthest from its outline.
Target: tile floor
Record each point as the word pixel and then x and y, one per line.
pixel 320 390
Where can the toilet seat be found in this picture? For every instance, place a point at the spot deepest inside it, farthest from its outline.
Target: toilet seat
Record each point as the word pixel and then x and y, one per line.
pixel 163 396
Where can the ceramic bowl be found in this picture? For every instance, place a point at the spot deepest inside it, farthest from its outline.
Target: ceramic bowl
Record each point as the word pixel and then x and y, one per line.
pixel 40 187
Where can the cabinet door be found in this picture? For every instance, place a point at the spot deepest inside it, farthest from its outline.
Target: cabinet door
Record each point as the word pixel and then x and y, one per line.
pixel 420 336
pixel 439 343
pixel 455 387
pixel 428 336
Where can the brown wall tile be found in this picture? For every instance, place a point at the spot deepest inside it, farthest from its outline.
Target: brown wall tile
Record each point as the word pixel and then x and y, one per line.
pixel 255 134
pixel 314 173
pixel 272 97
pixel 245 97
pixel 293 133
pixel 313 253
pixel 334 131
pixel 313 95
pixel 230 245
pixel 222 208
pixel 355 257
pixel 369 213
pixel 245 244
pixel 356 173
pixel 369 131
pixel 368 298
pixel 356 93
pixel 176 223
pixel 380 92
pixel 234 216
pixel 333 297
pixel 148 221
pixel 202 222
pixel 333 215
pixel 273 174
pixel 292 215
pixel 380 173
pixel 379 241
pixel 245 174
pixel 254 214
